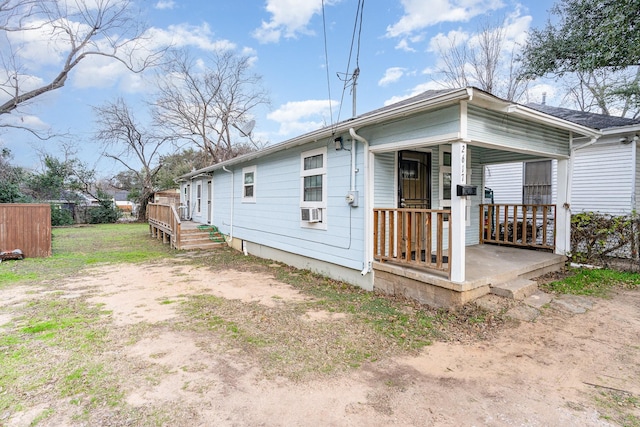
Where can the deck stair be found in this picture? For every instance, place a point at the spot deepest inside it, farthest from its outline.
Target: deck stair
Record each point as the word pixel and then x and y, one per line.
pixel 517 289
pixel 205 237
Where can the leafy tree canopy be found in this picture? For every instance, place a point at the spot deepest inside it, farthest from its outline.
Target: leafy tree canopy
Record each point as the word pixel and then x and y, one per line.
pixel 588 35
pixel 11 180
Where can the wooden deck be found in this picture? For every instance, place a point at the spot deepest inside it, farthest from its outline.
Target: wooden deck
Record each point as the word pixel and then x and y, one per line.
pixel 165 224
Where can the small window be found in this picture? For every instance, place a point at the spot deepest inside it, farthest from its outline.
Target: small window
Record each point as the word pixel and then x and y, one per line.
pixel 313 184
pixel 249 184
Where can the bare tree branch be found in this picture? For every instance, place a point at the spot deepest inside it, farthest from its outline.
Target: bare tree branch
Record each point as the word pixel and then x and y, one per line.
pixel 75 30
pixel 484 61
pixel 200 103
pixel 128 143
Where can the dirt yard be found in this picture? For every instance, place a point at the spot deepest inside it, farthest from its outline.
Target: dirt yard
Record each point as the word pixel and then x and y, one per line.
pixel 561 370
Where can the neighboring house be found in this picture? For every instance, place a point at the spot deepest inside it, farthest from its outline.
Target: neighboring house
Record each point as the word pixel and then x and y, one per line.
pixel 378 200
pixel 604 172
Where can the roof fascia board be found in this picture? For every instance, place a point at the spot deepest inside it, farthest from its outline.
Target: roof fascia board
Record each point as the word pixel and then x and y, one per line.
pixel 538 116
pixel 620 129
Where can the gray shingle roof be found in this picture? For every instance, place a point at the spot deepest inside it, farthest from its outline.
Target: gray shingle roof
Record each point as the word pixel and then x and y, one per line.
pixel 592 120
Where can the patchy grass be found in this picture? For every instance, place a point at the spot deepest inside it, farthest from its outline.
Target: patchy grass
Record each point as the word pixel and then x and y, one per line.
pixel 52 344
pixel 77 248
pixel 619 407
pixel 371 327
pixel 593 282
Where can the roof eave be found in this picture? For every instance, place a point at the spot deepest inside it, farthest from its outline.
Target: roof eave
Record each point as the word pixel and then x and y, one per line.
pixel 621 129
pixel 343 127
pixel 538 116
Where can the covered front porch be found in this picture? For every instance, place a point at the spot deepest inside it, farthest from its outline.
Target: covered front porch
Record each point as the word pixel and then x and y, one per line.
pixel 487 266
pixel 412 256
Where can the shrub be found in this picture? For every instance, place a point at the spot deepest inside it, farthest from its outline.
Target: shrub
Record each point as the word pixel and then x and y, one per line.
pixel 60 216
pixel 106 212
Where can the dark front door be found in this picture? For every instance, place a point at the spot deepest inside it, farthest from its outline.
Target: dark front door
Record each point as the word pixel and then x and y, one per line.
pixel 414 180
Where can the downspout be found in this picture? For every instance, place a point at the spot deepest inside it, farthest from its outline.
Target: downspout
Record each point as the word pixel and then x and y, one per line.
pixel 365 187
pixel 224 168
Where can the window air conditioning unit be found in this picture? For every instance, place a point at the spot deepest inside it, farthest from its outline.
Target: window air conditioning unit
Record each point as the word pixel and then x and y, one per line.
pixel 310 214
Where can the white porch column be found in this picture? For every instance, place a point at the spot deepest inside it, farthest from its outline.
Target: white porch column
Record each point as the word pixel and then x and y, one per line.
pixel 563 211
pixel 457 256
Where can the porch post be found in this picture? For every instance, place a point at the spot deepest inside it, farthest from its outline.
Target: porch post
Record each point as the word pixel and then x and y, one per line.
pixel 458 207
pixel 563 209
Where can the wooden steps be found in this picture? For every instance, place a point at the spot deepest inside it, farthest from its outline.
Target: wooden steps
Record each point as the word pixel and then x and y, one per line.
pixel 201 238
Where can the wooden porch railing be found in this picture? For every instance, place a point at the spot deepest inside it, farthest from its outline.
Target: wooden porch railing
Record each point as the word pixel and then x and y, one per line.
pixel 164 223
pixel 522 225
pixel 414 237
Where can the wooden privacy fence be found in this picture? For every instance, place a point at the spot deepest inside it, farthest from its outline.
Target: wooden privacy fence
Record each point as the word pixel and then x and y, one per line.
pixel 532 226
pixel 26 227
pixel 414 237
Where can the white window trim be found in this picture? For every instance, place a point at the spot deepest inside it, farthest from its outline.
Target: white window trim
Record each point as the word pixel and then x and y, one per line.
pixel 245 171
pixel 318 171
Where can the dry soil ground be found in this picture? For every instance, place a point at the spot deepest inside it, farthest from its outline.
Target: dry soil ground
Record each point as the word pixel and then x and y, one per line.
pixel 561 370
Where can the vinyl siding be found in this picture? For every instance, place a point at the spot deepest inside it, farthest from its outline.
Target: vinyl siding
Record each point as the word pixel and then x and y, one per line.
pixel 506 182
pixel 385 183
pixel 274 219
pixel 602 180
pixel 516 134
pixel 430 124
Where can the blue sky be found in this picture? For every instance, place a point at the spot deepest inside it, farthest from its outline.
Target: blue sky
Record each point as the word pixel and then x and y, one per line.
pixel 398 58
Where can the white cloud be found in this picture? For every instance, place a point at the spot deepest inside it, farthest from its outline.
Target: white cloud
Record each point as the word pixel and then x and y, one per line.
pixel 403 44
pixel 420 14
pixel 185 35
pixel 443 42
pixel 288 19
pixel 165 4
pixel 28 121
pixel 298 117
pixel 391 75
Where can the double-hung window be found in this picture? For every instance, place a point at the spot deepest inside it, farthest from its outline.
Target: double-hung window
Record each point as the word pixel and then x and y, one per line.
pixel 313 178
pixel 249 184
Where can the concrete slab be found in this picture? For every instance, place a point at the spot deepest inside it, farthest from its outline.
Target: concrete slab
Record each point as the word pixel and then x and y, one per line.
pixel 523 313
pixel 538 299
pixel 517 289
pixel 573 304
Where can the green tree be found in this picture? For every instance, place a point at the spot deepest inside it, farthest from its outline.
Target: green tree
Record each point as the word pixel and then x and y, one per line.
pixel 177 164
pixel 587 35
pixel 596 44
pixel 12 179
pixel 61 180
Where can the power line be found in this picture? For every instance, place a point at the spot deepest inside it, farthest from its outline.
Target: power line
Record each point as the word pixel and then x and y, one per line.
pixel 350 79
pixel 326 59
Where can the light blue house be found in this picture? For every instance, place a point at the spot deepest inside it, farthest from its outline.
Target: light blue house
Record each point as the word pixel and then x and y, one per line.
pixel 390 200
